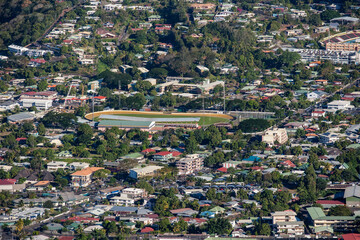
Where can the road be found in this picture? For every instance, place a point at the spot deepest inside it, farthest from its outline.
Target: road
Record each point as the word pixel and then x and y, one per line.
pixel 36 225
pixel 57 20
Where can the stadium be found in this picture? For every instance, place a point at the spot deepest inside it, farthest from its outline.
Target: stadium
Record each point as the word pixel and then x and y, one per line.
pixel 344 37
pixel 155 121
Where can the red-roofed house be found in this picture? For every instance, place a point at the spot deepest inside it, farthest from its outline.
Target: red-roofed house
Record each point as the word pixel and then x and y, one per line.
pixel 68 42
pixel 66 238
pixel 256 168
pixel 100 98
pixel 147 230
pixel 148 150
pixel 9 185
pixel 317 114
pixel 288 164
pixel 222 169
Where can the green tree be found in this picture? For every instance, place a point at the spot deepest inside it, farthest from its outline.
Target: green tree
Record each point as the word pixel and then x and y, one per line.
pixel 218 226
pixel 42 85
pixel 340 211
pixel 84 134
pixel 41 129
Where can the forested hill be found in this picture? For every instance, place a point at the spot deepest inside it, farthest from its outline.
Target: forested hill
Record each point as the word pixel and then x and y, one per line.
pixel 23 21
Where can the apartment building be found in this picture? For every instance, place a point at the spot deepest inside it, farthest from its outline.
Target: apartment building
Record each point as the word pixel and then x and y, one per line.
pixel 122 200
pixel 337 57
pixel 283 216
pixel 82 178
pixel 339 105
pixel 285 222
pixel 134 193
pixel 144 172
pixel 293 228
pixel 191 163
pixel 275 135
pixel 337 223
pixel 342 46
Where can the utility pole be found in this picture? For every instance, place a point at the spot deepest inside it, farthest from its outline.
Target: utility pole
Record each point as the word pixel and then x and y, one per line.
pixel 93 107
pixel 224 96
pixel 119 96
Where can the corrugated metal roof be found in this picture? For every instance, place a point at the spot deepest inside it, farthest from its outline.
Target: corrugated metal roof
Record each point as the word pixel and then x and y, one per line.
pixel 117 123
pixel 353 191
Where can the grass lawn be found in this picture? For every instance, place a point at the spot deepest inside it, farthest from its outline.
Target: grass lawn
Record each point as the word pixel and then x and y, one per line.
pixel 203 120
pixel 101 66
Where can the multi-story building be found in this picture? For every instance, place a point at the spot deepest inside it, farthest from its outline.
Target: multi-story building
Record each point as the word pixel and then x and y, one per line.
pixel 337 57
pixel 122 200
pixel 38 103
pixel 342 46
pixel 144 172
pixel 134 193
pixel 293 228
pixel 191 163
pixel 339 105
pixel 285 222
pixel 275 135
pixel 53 166
pixel 337 223
pixel 283 216
pixel 82 178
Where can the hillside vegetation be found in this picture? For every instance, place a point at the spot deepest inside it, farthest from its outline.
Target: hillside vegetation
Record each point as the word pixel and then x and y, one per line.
pixel 23 21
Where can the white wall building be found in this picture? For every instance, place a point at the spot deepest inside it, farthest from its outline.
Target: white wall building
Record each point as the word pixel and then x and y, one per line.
pixel 275 135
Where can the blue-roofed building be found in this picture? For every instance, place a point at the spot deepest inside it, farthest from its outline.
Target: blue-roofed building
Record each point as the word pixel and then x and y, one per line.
pixel 251 159
pixel 207 214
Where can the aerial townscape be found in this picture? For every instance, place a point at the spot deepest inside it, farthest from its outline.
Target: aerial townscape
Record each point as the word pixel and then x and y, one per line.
pixel 179 119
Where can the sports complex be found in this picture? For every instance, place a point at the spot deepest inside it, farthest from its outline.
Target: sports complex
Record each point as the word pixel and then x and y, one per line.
pixel 344 37
pixel 155 121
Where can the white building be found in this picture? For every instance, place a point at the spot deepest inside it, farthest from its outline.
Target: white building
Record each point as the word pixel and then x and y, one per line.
pixel 43 104
pixel 53 166
pixel 143 172
pixel 275 135
pixel 112 7
pixel 78 166
pixel 17 50
pixel 134 193
pixel 122 200
pixel 283 216
pixel 340 105
pixel 337 57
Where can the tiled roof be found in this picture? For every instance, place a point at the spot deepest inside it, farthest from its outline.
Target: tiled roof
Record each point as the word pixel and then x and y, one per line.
pixel 86 171
pixel 7 181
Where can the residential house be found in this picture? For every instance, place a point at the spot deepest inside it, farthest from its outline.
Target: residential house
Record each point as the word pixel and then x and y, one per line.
pixel 10 185
pixel 82 178
pixel 53 166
